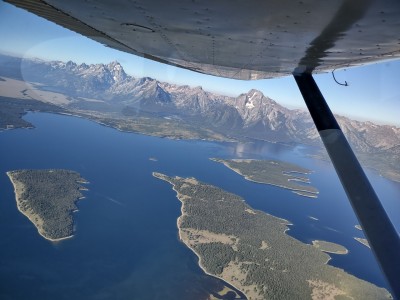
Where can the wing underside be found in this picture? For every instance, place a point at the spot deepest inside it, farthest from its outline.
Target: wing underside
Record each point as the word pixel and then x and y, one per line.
pixel 237 39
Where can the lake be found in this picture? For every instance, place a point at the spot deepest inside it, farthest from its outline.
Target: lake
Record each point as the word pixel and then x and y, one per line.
pixel 126 241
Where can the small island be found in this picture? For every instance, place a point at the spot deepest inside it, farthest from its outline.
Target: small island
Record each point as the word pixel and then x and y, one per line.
pixel 47 198
pixel 330 247
pixel 273 172
pixel 250 250
pixel 363 241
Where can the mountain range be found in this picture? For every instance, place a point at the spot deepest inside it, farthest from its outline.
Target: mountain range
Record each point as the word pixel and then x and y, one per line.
pixel 106 90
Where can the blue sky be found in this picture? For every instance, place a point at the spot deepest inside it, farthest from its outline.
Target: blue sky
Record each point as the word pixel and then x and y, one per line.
pixel 373 94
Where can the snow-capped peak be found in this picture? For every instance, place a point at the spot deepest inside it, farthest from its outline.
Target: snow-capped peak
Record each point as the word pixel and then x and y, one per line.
pixel 249 101
pixel 117 71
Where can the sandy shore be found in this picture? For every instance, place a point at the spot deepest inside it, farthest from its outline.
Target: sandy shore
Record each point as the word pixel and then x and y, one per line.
pixel 363 241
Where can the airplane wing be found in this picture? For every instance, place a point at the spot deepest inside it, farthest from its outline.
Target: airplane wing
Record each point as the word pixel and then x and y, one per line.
pixel 238 39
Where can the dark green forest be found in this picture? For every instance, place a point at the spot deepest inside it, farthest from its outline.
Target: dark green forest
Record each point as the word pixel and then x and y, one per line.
pixel 51 195
pixel 286 262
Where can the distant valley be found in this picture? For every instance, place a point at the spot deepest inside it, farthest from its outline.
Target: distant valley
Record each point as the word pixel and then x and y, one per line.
pixel 106 94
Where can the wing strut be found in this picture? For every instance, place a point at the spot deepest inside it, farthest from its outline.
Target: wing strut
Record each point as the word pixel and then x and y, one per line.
pixel 380 232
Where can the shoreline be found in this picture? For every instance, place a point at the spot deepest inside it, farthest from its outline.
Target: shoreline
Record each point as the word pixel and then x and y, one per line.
pixel 178 220
pixel 304 194
pixel 56 240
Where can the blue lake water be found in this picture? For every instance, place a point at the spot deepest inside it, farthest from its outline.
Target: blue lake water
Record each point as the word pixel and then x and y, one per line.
pixel 126 244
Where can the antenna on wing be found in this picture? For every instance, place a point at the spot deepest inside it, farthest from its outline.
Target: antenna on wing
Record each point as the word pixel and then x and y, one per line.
pixel 345 82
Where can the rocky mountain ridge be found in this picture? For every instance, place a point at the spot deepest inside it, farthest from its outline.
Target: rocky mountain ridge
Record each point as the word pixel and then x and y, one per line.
pixel 250 115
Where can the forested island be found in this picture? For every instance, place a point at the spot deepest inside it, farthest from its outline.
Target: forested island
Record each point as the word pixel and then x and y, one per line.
pixel 330 247
pixel 273 172
pixel 47 198
pixel 250 250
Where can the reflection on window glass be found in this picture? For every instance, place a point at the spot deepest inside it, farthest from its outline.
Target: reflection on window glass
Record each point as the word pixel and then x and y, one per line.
pixel 127 178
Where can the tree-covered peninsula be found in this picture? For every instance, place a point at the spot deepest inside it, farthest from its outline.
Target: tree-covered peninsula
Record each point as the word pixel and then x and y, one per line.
pixel 250 250
pixel 47 198
pixel 330 247
pixel 273 172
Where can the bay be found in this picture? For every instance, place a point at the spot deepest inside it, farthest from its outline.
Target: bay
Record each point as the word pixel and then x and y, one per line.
pixel 125 244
